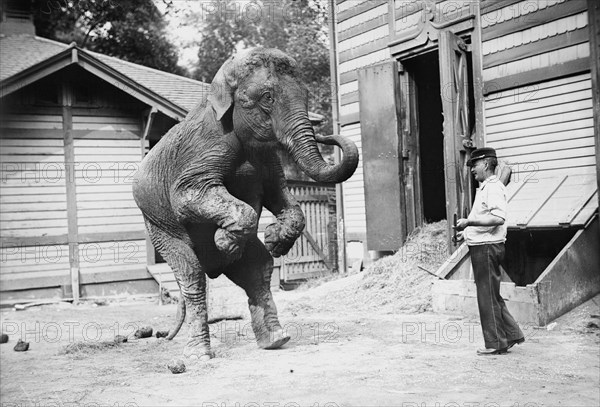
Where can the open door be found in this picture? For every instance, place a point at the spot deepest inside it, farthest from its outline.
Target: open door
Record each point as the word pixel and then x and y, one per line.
pixel 388 156
pixel 457 128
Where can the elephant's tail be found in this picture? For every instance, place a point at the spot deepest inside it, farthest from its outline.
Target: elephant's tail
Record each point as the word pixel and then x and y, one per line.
pixel 180 318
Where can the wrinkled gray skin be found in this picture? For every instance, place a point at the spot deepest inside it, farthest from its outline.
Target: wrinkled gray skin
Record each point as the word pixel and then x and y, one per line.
pixel 203 186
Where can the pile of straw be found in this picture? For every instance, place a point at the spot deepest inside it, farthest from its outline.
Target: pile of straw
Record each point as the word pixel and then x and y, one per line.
pixel 397 282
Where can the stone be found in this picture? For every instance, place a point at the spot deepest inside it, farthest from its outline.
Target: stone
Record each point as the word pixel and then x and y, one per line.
pixel 120 339
pixel 145 332
pixel 162 334
pixel 21 346
pixel 176 366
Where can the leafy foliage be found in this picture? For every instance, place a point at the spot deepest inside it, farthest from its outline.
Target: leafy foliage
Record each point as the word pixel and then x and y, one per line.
pixel 297 27
pixel 133 30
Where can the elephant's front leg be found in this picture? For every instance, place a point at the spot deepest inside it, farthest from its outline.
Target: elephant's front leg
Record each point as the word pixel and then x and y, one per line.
pixel 237 221
pixel 280 236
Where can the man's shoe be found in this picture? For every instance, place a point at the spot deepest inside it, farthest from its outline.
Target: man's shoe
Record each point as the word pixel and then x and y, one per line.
pixel 515 342
pixel 491 351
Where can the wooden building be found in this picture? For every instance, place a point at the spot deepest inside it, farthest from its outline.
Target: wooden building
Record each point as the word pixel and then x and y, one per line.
pixel 421 83
pixel 74 126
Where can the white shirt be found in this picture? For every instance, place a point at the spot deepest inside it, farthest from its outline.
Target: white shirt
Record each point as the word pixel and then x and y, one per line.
pixel 490 198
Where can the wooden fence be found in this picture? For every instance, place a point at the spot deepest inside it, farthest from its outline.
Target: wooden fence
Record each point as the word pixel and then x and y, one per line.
pixel 315 252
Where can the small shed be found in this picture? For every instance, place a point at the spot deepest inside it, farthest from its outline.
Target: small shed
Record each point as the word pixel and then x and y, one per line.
pixel 74 127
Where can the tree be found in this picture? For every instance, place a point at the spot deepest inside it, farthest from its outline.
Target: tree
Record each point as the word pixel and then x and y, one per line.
pixel 221 33
pixel 133 30
pixel 297 27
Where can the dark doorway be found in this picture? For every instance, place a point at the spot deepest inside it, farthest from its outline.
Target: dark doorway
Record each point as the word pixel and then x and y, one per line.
pixel 529 252
pixel 426 72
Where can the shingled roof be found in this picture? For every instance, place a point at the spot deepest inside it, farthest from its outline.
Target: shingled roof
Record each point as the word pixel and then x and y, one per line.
pixel 20 52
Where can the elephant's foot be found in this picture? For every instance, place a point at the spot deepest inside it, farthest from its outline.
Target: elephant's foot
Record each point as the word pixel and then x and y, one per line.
pixel 272 339
pixel 279 240
pixel 229 244
pixel 197 350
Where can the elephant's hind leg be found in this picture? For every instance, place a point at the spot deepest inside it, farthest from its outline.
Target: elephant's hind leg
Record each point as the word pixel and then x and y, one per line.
pixel 253 273
pixel 180 256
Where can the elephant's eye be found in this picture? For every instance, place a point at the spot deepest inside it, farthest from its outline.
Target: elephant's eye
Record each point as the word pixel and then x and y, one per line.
pixel 267 97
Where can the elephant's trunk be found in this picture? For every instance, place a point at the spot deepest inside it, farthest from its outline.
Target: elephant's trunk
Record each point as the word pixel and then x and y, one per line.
pixel 302 146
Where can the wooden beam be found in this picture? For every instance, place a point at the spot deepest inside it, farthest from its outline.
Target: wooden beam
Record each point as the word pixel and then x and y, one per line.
pixel 349 76
pixel 533 19
pixel 493 5
pixel 536 75
pixel 363 50
pixel 573 276
pixel 522 223
pixel 348 98
pixel 35 73
pixel 335 112
pixel 363 27
pixel 361 8
pixel 566 39
pixel 94 277
pixel 147 126
pixel 350 119
pixel 150 252
pixel 112 236
pixel 317 249
pixel 11 242
pixel 67 102
pixel 129 86
pixel 477 58
pixel 52 278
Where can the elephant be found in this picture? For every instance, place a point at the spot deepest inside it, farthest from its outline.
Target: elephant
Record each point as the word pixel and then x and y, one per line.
pixel 202 187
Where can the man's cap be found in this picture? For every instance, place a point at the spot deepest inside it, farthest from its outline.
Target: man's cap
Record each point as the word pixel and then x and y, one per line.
pixel 480 153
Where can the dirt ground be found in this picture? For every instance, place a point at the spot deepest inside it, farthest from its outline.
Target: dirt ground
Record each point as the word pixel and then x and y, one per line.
pixel 338 356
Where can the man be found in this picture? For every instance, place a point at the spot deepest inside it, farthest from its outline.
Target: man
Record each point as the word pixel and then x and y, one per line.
pixel 485 234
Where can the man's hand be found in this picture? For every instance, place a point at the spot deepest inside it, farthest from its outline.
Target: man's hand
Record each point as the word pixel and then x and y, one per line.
pixel 461 224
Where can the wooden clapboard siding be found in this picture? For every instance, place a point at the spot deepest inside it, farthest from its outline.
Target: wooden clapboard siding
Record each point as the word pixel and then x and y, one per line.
pixel 353 189
pixel 34 258
pixel 370 20
pixel 32 201
pixel 545 60
pixel 363 34
pixel 526 14
pixel 33 177
pixel 104 174
pixel 107 153
pixel 530 42
pixel 349 112
pixel 112 261
pixel 349 67
pixel 354 8
pixel 544 129
pixel 536 33
pixel 538 104
pixel 25 121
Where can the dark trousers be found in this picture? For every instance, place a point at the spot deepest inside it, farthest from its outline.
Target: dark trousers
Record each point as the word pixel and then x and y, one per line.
pixel 498 326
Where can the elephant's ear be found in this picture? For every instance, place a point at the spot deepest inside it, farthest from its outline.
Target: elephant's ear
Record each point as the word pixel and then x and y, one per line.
pixel 222 88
